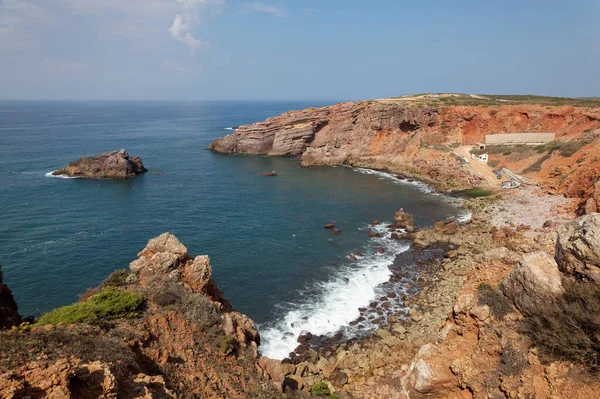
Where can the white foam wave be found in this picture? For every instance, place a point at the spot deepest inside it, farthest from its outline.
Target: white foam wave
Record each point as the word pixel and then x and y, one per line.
pixel 339 301
pixel 230 128
pixel 384 175
pixel 49 174
pixel 464 216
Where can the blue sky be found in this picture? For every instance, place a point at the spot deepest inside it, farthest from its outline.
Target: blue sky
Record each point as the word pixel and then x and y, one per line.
pixel 295 49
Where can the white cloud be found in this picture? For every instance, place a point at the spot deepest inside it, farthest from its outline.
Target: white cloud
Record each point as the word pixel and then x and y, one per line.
pixel 181 31
pixel 174 66
pixel 56 64
pixel 190 13
pixel 258 6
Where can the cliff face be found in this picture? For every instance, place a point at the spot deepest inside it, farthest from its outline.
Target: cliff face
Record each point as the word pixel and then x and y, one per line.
pixel 9 315
pixel 415 141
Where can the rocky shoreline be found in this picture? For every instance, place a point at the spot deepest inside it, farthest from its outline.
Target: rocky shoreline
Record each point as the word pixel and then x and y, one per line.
pixel 483 315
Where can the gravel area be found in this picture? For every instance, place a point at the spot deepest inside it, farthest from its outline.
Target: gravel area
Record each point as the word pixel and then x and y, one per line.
pixel 529 206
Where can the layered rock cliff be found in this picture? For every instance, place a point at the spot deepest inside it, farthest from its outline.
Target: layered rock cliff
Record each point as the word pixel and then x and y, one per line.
pixel 108 165
pixel 415 141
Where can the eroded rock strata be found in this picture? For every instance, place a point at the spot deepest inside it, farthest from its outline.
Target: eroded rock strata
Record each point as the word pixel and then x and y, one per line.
pixel 108 165
pixel 418 141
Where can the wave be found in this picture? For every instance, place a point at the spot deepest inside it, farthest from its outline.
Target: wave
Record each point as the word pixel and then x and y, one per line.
pixel 49 174
pixel 231 128
pixel 464 216
pixel 389 176
pixel 353 287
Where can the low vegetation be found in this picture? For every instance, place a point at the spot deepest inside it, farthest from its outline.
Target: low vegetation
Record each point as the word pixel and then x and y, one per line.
pixel 110 303
pixel 81 341
pixel 195 307
pixel 568 328
pixel 499 305
pixel 452 99
pixel 475 192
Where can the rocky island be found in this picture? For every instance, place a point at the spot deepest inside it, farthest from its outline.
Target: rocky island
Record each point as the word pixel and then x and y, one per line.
pixel 108 165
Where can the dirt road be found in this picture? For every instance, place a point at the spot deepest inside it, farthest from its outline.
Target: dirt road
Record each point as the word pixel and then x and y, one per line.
pixel 481 168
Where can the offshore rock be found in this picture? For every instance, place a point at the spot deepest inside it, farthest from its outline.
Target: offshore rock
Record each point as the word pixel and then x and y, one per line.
pixel 108 165
pixel 9 315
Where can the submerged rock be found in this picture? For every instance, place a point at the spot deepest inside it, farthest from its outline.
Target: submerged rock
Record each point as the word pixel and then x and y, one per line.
pixel 272 173
pixel 108 165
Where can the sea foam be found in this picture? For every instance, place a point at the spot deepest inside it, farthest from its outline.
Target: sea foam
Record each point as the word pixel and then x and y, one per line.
pixel 49 174
pixel 331 305
pixel 389 176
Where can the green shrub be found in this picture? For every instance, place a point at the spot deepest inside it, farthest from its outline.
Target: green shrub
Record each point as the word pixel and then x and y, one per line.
pixel 493 163
pixel 475 192
pixel 507 153
pixel 320 389
pixel 109 304
pixel 568 328
pixel 226 345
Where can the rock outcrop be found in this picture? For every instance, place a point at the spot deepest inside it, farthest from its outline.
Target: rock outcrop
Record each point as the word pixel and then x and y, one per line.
pixel 186 341
pixel 9 315
pixel 166 257
pixel 578 247
pixel 108 165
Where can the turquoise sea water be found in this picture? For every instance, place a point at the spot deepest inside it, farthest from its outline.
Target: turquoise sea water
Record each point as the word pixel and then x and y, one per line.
pixel 265 236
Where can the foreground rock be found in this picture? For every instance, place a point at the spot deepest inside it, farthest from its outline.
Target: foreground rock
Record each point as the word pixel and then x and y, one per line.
pixel 533 282
pixel 108 165
pixel 186 341
pixel 9 315
pixel 578 247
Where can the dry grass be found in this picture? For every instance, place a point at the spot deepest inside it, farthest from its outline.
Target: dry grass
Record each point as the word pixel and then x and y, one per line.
pixel 569 327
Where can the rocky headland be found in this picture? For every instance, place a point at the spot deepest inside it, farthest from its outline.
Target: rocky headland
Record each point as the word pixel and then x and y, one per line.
pixel 418 139
pixel 108 165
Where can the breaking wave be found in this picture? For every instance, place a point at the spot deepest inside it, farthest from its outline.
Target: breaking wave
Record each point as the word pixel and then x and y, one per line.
pixel 340 298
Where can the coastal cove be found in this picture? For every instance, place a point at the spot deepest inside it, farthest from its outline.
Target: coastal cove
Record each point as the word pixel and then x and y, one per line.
pixel 265 236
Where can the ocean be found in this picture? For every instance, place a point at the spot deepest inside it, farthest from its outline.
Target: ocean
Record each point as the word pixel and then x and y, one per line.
pixel 265 237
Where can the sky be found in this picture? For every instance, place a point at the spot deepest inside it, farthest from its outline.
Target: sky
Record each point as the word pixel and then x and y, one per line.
pixel 296 49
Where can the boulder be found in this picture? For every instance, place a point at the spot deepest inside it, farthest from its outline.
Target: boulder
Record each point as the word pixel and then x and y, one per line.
pixel 164 256
pixel 330 225
pixel 534 281
pixel 108 165
pixel 9 315
pixel 404 219
pixel 427 376
pixel 578 247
